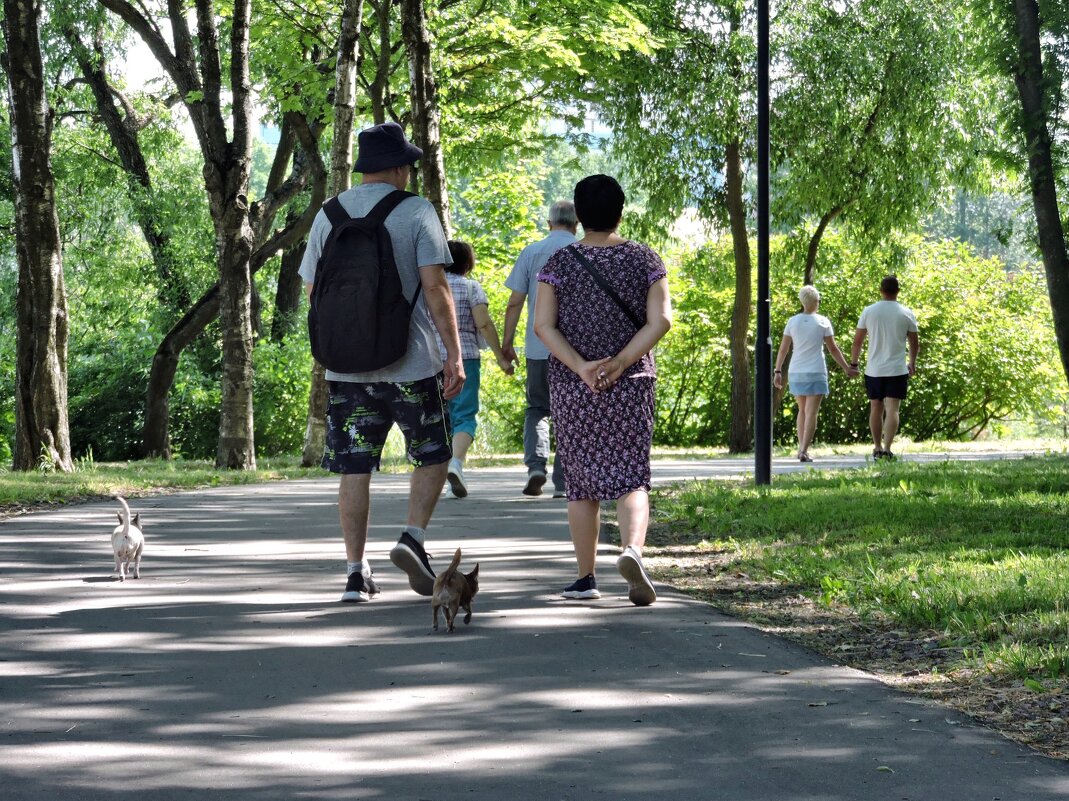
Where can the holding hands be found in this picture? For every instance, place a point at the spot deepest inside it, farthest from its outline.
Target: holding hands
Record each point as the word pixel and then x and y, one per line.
pixel 506 363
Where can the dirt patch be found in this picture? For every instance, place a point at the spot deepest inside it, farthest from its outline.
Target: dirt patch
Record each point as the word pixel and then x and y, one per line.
pixel 914 661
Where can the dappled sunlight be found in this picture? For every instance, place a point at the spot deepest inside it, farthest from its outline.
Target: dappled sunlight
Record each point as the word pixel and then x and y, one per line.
pixel 231 664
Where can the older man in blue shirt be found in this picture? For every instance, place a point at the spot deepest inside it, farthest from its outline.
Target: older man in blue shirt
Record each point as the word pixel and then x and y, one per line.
pixel 523 281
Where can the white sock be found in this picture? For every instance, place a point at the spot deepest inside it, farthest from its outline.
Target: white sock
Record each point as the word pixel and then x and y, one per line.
pixel 363 566
pixel 418 534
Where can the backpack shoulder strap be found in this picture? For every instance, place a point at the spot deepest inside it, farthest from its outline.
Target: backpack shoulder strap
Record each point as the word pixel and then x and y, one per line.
pixel 586 264
pixel 383 208
pixel 336 213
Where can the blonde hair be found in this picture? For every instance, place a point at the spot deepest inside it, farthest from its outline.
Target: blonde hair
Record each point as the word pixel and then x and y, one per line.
pixel 809 296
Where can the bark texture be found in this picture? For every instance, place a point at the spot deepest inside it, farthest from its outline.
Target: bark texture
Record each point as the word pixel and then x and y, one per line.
pixel 426 126
pixel 42 433
pixel 315 432
pixel 1036 126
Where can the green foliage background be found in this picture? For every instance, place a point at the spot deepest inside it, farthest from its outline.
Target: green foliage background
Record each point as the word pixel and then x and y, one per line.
pixel 885 109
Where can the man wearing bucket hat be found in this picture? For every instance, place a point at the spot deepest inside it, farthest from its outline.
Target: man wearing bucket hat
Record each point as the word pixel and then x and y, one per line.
pixel 411 391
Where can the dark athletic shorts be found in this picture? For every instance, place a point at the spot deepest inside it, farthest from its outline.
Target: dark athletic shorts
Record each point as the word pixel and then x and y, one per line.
pixel 886 386
pixel 359 417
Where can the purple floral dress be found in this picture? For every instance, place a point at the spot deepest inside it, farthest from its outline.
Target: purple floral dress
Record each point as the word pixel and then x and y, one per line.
pixel 603 438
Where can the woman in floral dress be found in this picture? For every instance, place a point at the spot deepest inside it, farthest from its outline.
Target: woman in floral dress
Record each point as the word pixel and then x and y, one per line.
pixel 601 379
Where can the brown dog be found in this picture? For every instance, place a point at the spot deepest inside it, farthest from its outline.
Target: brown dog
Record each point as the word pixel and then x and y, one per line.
pixel 454 590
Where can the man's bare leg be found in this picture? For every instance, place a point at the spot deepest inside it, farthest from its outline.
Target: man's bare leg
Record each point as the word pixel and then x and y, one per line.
pixel 424 490
pixel 891 408
pixel 354 506
pixel 876 423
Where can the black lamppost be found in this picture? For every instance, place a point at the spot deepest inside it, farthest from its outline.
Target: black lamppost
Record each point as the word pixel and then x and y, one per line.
pixel 763 344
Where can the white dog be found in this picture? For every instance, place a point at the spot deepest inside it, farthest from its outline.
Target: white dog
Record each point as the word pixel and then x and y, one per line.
pixel 128 541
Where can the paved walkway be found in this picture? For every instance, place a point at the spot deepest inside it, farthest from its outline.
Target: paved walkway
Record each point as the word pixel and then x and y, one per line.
pixel 229 671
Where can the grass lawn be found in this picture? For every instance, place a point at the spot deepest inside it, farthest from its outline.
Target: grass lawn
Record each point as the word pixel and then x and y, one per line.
pixel 957 570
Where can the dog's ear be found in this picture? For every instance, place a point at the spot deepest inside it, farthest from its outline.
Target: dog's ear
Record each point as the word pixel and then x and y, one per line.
pixel 474 571
pixel 119 515
pixel 137 520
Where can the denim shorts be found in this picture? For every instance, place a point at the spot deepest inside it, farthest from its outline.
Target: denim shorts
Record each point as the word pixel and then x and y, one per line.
pixel 808 383
pixel 360 416
pixel 464 407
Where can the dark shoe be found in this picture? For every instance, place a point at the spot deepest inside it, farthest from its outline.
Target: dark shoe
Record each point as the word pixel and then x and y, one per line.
pixel 456 479
pixel 409 556
pixel 639 587
pixel 359 588
pixel 877 454
pixel 535 481
pixel 805 457
pixel 889 456
pixel 584 588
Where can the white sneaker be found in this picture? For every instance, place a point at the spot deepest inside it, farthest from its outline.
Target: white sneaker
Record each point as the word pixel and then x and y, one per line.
pixel 639 587
pixel 456 479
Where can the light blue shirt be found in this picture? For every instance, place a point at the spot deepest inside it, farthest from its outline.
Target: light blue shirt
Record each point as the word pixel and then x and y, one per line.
pixel 524 278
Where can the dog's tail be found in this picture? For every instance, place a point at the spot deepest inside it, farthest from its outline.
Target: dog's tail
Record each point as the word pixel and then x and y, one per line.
pixel 449 571
pixel 124 518
pixel 445 577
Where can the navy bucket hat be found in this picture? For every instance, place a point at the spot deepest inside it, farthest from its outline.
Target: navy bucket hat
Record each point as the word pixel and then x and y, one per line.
pixel 382 147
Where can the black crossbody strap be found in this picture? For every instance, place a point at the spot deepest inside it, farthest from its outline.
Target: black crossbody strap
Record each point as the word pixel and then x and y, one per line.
pixel 608 290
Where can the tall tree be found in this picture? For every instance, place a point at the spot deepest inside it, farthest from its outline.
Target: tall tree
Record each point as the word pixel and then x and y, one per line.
pixel 1037 93
pixel 680 123
pixel 340 169
pixel 124 124
pixel 196 66
pixel 871 114
pixel 426 118
pixel 42 435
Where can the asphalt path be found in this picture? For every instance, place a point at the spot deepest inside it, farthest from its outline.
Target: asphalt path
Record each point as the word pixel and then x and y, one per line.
pixel 231 671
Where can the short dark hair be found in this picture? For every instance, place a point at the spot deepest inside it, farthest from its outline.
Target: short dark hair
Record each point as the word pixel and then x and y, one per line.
pixel 889 285
pixel 599 202
pixel 463 257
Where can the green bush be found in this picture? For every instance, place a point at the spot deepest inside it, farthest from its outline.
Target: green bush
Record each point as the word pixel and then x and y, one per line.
pixel 106 395
pixel 280 394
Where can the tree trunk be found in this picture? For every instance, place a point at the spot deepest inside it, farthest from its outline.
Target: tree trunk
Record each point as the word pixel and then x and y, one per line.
pixel 740 432
pixel 123 132
pixel 236 449
pixel 1030 86
pixel 288 294
pixel 157 441
pixel 426 118
pixel 42 433
pixel 814 244
pixel 315 433
pixel 380 87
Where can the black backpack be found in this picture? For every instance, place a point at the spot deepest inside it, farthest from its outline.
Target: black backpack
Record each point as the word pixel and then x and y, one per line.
pixel 359 317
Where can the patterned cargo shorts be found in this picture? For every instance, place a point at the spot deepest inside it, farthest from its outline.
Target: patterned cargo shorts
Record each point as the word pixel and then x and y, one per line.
pixel 360 416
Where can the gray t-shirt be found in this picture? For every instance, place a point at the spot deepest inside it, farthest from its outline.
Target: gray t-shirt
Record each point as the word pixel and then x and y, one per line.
pixel 418 241
pixel 524 278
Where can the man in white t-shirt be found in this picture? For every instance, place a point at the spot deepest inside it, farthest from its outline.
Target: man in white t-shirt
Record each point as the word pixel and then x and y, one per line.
pixel 892 332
